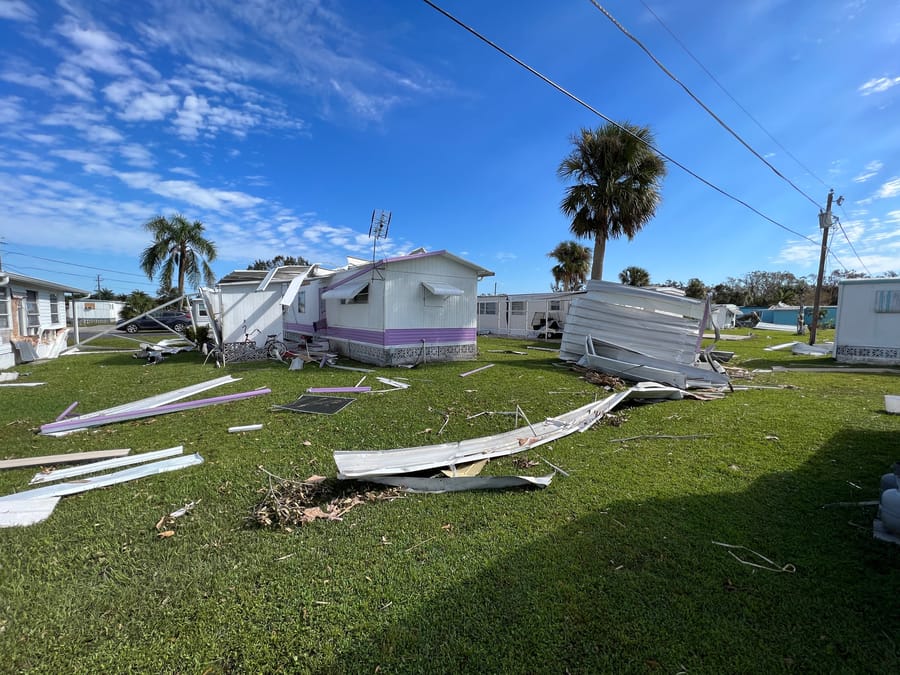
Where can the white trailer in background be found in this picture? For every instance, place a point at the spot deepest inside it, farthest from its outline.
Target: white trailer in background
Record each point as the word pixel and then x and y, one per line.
pixel 867 327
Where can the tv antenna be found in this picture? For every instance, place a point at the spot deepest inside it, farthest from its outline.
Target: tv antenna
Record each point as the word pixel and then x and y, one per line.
pixel 378 228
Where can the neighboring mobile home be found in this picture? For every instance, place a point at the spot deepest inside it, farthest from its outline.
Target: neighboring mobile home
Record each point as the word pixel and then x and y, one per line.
pixel 528 315
pixel 32 318
pixel 396 311
pixel 868 321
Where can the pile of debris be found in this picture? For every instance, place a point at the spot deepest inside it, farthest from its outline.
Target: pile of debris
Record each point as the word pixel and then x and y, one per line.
pixel 291 503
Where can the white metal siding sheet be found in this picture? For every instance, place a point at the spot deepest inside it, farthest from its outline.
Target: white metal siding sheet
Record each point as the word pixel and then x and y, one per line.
pixel 409 305
pixel 243 306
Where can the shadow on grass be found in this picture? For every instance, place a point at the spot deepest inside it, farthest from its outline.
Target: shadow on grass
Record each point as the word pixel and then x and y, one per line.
pixel 640 586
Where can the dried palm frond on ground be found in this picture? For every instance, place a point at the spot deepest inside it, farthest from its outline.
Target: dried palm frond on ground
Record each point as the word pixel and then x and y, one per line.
pixel 291 502
pixel 610 382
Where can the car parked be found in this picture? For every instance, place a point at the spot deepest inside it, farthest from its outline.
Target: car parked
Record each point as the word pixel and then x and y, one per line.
pixel 177 321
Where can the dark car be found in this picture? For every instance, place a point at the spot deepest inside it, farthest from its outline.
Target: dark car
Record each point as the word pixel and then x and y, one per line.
pixel 175 320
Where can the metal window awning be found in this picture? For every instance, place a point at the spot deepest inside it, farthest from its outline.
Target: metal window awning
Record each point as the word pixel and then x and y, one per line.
pixel 437 288
pixel 346 291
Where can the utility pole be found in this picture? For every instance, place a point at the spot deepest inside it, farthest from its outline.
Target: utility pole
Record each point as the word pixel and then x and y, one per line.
pixel 824 223
pixel 98 286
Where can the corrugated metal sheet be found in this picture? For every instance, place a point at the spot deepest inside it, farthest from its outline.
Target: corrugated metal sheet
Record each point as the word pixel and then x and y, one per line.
pixel 653 323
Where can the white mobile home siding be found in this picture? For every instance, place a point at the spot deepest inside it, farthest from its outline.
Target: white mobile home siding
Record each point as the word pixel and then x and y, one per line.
pixel 868 322
pixel 244 309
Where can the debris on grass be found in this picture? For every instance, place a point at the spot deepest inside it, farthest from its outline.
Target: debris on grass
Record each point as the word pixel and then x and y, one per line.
pixel 291 502
pixel 246 427
pixel 67 458
pixel 477 370
pixel 471 469
pixel 772 566
pixel 320 405
pixel 659 436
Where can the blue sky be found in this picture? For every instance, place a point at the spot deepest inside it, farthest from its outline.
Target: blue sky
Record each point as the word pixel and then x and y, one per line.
pixel 282 125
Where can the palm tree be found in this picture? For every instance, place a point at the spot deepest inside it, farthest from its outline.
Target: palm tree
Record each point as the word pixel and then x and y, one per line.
pixel 178 247
pixel 574 263
pixel 634 276
pixel 617 184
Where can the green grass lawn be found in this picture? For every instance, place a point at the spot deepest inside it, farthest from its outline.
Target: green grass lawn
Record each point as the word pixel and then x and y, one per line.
pixel 611 569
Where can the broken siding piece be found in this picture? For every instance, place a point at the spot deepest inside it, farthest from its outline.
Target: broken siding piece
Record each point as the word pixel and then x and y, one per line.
pixel 162 399
pixel 24 512
pixel 439 484
pixel 359 463
pixel 338 390
pixel 62 489
pixel 78 423
pixel 94 467
pixel 477 370
pixel 62 459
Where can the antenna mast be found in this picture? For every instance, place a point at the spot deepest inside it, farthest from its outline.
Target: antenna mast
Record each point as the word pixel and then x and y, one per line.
pixel 378 228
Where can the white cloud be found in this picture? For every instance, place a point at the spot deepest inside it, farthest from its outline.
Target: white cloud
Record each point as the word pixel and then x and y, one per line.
pixel 16 10
pixel 24 75
pixel 74 81
pixel 99 133
pixel 10 109
pixel 798 252
pixel 189 192
pixel 137 155
pixel 889 189
pixel 878 85
pixel 98 50
pixel 196 115
pixel 149 106
pixel 871 170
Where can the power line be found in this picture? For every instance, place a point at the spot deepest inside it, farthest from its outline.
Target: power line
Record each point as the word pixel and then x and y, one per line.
pixel 698 101
pixel 599 114
pixel 87 267
pixel 74 274
pixel 850 244
pixel 728 94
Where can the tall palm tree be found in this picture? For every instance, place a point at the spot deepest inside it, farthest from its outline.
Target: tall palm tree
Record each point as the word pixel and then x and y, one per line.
pixel 617 184
pixel 634 276
pixel 178 249
pixel 573 264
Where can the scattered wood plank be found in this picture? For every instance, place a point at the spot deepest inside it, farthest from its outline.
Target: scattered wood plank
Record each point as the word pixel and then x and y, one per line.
pixel 67 458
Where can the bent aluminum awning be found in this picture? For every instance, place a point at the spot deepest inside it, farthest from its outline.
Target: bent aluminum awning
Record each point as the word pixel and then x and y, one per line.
pixel 444 290
pixel 346 291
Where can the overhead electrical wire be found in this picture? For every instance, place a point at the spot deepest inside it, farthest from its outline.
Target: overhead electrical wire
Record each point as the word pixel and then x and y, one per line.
pixel 599 114
pixel 728 94
pixel 87 267
pixel 737 103
pixel 850 244
pixel 690 93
